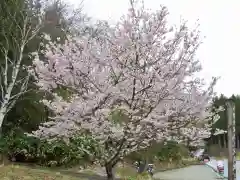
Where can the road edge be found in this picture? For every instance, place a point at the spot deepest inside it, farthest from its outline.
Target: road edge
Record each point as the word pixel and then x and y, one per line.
pixel 216 171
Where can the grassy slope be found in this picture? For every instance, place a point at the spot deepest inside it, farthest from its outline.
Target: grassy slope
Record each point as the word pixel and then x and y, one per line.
pixel 16 172
pixel 21 172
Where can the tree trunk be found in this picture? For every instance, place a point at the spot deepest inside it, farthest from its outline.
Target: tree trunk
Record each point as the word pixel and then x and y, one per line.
pixel 109 171
pixel 219 141
pixel 1 154
pixel 224 141
pixel 3 111
pixel 237 141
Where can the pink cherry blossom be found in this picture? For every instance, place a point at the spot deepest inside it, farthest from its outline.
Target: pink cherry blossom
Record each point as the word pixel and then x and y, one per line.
pixel 143 68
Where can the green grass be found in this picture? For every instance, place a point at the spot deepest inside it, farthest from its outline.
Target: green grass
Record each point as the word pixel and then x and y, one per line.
pixel 21 172
pixel 16 172
pixel 128 172
pixel 225 157
pixel 125 172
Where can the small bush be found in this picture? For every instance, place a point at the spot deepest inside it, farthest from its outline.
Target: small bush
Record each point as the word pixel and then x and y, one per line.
pixel 238 156
pixel 215 150
pixel 22 148
pixel 170 151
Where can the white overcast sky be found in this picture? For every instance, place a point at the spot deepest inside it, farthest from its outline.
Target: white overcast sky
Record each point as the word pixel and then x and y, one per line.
pixel 219 22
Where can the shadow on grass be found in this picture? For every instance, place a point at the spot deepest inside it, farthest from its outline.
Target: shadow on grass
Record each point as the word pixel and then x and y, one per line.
pixel 56 171
pixel 85 175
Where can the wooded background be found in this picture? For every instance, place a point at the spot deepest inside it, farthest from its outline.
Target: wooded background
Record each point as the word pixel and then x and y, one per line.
pixel 217 144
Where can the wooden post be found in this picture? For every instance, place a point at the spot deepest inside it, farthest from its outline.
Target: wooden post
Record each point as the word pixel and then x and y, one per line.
pixel 231 140
pixel 219 141
pixel 237 141
pixel 224 141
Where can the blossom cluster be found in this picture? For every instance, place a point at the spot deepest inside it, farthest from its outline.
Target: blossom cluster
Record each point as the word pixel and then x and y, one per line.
pixel 141 67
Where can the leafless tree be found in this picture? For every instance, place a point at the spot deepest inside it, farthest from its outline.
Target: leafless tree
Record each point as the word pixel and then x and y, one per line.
pixel 19 25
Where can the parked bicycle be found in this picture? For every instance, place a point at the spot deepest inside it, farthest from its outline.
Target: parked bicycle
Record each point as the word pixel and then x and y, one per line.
pixel 150 169
pixel 140 167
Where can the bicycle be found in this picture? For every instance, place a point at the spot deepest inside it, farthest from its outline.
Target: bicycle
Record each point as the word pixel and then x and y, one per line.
pixel 150 169
pixel 139 169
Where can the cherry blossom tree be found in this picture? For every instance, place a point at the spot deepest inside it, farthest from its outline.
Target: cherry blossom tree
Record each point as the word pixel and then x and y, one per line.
pixel 134 87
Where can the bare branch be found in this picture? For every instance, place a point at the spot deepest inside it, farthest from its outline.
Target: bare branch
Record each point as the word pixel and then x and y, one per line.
pixel 17 31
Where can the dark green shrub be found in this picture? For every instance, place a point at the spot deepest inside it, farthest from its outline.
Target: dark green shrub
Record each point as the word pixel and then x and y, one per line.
pixel 172 151
pixel 59 153
pixel 165 152
pixel 20 148
pixel 23 148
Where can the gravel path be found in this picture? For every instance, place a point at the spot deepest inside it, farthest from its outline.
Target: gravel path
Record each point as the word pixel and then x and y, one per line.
pixel 199 172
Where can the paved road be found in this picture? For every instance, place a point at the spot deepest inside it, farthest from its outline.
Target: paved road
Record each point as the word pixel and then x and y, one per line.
pixel 199 172
pixel 213 163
